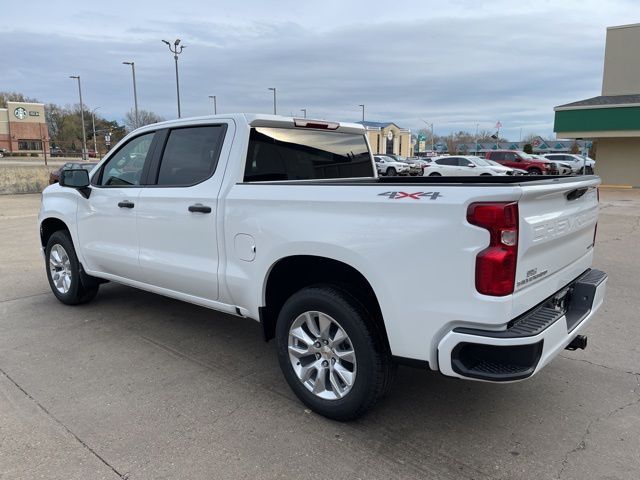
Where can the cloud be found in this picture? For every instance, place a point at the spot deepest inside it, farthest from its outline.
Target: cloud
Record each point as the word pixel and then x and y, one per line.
pixel 457 67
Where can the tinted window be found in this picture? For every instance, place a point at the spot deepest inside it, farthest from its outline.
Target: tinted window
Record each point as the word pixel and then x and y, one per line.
pixel 124 168
pixel 296 154
pixel 510 157
pixel 463 162
pixel 447 161
pixel 496 156
pixel 191 155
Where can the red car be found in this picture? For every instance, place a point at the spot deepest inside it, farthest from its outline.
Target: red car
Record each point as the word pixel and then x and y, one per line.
pixel 521 160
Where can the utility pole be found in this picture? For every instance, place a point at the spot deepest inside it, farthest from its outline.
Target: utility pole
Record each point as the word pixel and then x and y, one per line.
pixel 362 105
pixel 304 112
pixel 274 99
pixel 215 106
pixel 135 92
pixel 93 124
pixel 84 133
pixel 176 50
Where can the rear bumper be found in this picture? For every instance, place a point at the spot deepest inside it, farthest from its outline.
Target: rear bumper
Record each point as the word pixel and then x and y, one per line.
pixel 530 341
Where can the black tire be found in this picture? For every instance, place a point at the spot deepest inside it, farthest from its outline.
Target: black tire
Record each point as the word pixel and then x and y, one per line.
pixel 83 288
pixel 391 172
pixel 535 171
pixel 435 174
pixel 375 368
pixel 589 170
pixel 485 174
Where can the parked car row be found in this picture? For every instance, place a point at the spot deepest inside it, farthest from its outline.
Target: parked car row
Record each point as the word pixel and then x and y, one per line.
pixel 467 166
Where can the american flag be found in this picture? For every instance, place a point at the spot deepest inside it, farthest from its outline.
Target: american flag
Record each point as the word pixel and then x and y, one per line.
pixel 498 125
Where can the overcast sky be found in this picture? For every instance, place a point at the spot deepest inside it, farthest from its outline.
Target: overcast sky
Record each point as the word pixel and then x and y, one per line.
pixel 454 63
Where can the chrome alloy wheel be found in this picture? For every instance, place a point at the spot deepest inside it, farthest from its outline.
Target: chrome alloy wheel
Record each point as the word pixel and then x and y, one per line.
pixel 60 268
pixel 322 355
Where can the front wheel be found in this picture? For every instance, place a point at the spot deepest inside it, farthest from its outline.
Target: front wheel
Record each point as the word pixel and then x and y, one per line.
pixel 391 172
pixel 485 174
pixel 435 174
pixel 535 171
pixel 68 282
pixel 331 355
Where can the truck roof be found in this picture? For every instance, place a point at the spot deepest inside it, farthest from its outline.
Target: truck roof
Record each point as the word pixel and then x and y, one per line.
pixel 255 120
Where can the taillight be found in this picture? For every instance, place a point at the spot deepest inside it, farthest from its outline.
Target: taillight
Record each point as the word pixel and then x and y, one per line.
pixel 304 123
pixel 496 264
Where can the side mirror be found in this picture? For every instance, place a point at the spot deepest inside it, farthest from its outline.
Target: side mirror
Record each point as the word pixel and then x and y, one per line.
pixel 78 179
pixel 472 165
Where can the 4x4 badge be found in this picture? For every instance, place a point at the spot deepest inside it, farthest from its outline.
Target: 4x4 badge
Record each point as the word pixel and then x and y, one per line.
pixel 414 195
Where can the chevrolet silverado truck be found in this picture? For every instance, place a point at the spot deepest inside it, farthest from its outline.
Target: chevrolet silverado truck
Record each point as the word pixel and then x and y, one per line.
pixel 285 221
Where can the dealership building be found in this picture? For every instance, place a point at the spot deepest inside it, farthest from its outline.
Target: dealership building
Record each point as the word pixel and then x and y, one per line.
pixel 387 137
pixel 612 119
pixel 23 128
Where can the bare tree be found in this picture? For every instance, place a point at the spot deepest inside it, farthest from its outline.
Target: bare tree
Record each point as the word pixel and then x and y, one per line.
pixel 14 97
pixel 144 118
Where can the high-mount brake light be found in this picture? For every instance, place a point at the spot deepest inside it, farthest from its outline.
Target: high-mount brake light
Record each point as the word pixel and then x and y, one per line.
pixel 304 123
pixel 496 264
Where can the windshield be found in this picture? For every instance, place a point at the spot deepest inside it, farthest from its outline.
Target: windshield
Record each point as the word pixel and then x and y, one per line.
pixel 480 161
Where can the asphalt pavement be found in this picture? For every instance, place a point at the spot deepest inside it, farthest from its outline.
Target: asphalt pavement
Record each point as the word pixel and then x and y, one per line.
pixel 138 386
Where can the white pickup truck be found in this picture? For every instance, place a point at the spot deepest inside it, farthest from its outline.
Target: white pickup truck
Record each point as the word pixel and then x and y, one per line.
pixel 285 221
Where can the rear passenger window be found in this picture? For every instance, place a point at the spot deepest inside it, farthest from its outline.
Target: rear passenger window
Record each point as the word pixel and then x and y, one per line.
pixel 296 154
pixel 191 155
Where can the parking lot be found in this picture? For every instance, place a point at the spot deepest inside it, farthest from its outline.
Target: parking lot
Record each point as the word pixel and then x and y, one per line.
pixel 135 385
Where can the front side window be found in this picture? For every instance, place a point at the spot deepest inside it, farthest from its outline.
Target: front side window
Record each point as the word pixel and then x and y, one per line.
pixel 296 154
pixel 124 169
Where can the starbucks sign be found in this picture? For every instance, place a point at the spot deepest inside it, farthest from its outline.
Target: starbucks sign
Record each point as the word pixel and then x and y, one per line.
pixel 20 113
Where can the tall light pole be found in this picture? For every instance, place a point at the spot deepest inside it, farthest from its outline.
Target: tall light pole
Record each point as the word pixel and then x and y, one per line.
pixel 215 106
pixel 176 50
pixel 135 91
pixel 304 112
pixel 93 124
pixel 274 100
pixel 84 133
pixel 430 125
pixel 362 105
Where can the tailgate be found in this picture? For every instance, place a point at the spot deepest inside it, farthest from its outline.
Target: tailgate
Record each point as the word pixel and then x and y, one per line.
pixel 557 226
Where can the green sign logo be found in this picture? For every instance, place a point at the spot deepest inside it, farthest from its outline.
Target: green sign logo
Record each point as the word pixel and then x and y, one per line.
pixel 20 113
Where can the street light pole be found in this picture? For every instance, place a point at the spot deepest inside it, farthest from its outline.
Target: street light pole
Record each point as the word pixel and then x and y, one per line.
pixel 84 133
pixel 477 125
pixel 176 50
pixel 304 112
pixel 93 125
pixel 362 105
pixel 274 100
pixel 135 91
pixel 215 106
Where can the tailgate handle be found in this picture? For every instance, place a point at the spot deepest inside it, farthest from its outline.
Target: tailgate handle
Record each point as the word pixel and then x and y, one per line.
pixel 577 193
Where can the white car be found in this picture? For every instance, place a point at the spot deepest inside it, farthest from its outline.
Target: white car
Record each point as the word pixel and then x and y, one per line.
pixel 284 221
pixel 461 166
pixel 578 163
pixel 390 167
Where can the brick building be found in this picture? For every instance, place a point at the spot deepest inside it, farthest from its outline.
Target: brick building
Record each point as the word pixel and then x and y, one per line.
pixel 23 128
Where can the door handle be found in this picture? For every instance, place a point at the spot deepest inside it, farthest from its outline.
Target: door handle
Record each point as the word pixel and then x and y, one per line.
pixel 126 204
pixel 199 208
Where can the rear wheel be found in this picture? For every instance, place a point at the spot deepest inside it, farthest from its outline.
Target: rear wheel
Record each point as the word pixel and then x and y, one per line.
pixel 68 282
pixel 435 174
pixel 391 171
pixel 485 174
pixel 535 171
pixel 332 356
pixel 589 170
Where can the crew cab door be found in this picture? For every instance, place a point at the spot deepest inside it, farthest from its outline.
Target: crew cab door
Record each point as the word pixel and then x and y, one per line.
pixel 178 211
pixel 106 220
